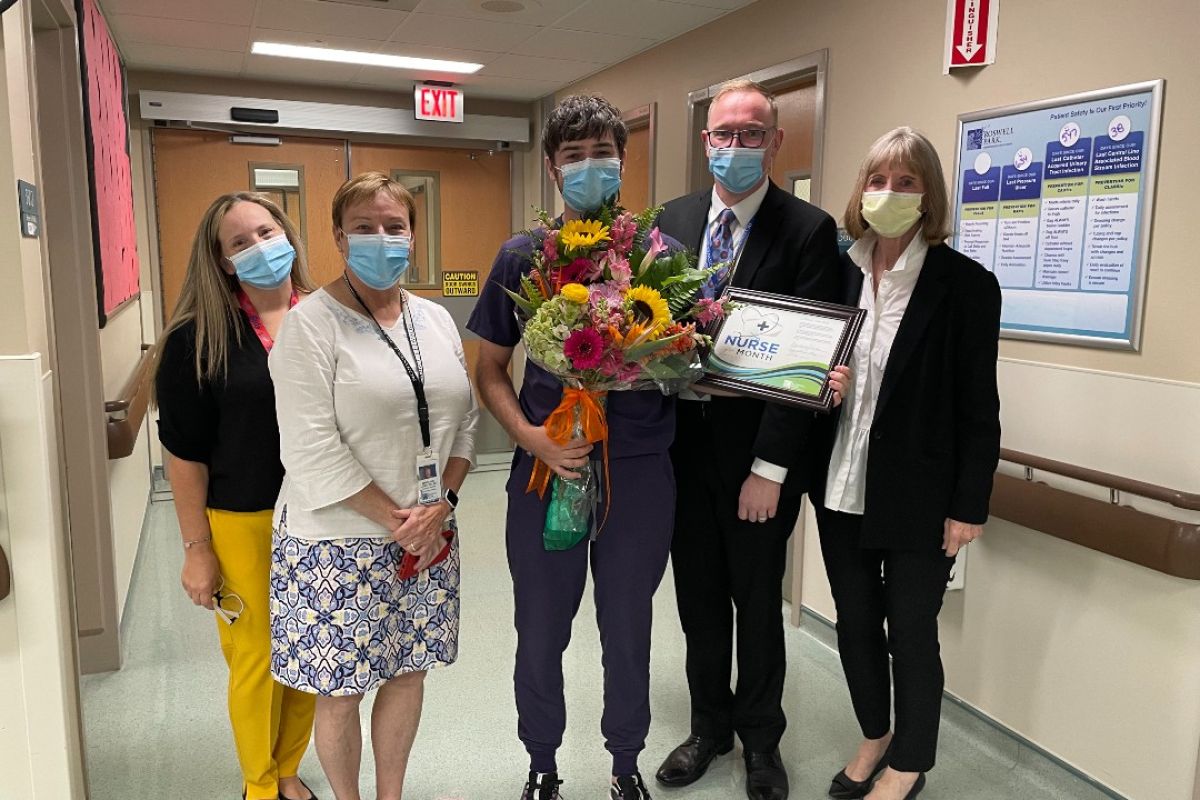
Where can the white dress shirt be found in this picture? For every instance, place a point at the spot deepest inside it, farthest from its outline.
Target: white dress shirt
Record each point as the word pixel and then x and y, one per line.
pixel 847 478
pixel 743 213
pixel 348 413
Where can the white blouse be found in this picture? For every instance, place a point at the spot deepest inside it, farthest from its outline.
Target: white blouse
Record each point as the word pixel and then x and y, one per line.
pixel 348 414
pixel 847 479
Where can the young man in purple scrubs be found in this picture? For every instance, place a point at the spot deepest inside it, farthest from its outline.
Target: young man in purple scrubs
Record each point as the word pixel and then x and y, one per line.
pixel 584 141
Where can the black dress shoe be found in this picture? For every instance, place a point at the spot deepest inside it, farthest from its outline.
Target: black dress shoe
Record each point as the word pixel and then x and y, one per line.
pixel 687 763
pixel 766 779
pixel 843 787
pixel 311 794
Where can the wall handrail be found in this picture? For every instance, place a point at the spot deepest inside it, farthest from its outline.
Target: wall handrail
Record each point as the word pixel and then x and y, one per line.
pixel 124 416
pixel 1188 501
pixel 5 575
pixel 1165 545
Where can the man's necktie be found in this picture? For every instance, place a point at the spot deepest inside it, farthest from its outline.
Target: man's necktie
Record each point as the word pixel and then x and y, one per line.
pixel 720 251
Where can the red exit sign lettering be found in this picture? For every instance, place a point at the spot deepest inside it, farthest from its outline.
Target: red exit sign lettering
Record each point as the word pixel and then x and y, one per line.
pixel 438 103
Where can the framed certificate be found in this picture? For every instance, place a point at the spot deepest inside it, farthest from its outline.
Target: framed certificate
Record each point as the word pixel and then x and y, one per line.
pixel 781 348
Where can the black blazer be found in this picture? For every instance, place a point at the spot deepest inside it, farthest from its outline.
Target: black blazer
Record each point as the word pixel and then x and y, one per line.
pixel 792 249
pixel 935 438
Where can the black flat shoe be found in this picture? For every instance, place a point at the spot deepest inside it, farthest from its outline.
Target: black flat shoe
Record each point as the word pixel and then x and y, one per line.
pixel 688 762
pixel 843 787
pixel 766 779
pixel 311 793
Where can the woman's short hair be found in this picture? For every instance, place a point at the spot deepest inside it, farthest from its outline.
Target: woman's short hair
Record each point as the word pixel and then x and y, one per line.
pixel 363 189
pixel 904 146
pixel 583 116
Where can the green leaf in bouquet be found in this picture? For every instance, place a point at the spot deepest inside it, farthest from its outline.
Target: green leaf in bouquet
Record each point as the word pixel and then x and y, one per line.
pixel 680 290
pixel 645 223
pixel 645 349
pixel 530 307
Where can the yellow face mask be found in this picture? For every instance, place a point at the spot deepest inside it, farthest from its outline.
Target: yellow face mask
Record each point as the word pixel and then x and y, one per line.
pixel 891 214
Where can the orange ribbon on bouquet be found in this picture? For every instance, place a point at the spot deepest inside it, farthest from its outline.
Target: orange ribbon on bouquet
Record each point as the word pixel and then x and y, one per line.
pixel 560 426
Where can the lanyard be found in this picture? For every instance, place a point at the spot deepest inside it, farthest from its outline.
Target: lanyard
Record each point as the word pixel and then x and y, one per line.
pixel 260 329
pixel 417 376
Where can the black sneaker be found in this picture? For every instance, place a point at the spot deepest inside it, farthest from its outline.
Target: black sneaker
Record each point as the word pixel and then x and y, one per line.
pixel 542 786
pixel 629 787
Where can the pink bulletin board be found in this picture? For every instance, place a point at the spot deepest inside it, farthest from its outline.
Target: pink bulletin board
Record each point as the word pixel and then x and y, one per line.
pixel 114 235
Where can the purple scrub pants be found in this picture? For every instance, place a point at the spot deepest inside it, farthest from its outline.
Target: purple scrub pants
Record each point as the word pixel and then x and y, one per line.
pixel 627 561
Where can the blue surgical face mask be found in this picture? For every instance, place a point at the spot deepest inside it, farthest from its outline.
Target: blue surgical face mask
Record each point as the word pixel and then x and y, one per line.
pixel 377 259
pixel 738 169
pixel 589 184
pixel 265 264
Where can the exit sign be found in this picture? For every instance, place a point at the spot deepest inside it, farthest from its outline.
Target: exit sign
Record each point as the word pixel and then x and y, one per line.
pixel 438 103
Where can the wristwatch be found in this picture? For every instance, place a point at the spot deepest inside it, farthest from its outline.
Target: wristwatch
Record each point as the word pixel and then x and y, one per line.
pixel 451 497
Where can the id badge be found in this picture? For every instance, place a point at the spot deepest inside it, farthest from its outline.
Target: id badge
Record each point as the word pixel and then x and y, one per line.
pixel 429 480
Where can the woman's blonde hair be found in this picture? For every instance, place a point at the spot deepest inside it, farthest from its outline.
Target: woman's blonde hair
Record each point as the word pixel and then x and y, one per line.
pixel 904 146
pixel 208 295
pixel 363 188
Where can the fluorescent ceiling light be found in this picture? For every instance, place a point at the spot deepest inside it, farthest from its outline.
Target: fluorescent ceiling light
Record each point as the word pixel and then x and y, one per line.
pixel 359 57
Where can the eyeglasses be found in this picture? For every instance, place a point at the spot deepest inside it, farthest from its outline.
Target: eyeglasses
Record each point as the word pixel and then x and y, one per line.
pixel 747 137
pixel 228 606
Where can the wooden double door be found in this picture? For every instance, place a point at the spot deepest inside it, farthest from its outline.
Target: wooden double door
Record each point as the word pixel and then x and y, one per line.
pixel 464 208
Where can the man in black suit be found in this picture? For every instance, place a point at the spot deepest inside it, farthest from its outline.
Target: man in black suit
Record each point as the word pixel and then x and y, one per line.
pixel 740 464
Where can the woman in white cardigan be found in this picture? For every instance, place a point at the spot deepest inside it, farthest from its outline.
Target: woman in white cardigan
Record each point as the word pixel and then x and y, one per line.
pixel 377 426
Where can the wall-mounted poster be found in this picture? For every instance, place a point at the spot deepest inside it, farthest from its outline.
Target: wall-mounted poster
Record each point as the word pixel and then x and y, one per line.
pixel 1055 197
pixel 106 128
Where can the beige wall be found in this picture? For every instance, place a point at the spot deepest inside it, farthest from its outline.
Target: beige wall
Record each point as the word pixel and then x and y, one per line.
pixel 1091 658
pixel 129 477
pixel 39 728
pixel 885 69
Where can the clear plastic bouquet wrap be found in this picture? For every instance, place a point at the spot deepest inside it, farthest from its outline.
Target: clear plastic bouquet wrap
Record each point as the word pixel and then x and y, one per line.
pixel 606 306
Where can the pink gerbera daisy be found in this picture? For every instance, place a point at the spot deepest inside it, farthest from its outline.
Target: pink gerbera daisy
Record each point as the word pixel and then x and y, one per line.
pixel 585 349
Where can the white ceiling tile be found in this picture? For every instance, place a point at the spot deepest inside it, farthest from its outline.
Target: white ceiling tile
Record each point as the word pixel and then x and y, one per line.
pixel 231 12
pixel 179 33
pixel 655 19
pixel 506 88
pixel 581 46
pixel 539 69
pixel 445 53
pixel 727 5
pixel 180 59
pixel 535 12
pixel 469 34
pixel 334 19
pixel 297 70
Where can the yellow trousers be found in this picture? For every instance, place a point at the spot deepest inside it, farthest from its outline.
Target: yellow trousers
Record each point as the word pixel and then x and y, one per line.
pixel 272 724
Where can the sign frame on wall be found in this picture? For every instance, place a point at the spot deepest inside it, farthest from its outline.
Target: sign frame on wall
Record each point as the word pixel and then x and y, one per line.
pixel 971 33
pixel 437 102
pixel 1034 205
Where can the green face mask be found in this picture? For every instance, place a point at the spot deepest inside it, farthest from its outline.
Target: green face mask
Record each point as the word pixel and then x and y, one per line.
pixel 891 214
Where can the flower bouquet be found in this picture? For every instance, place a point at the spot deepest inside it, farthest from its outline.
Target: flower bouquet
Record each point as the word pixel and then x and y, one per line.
pixel 607 305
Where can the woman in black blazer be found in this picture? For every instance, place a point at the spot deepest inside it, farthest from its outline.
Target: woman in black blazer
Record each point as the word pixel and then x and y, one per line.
pixel 910 457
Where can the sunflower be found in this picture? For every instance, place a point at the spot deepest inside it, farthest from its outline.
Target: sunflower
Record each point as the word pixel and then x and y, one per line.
pixel 648 307
pixel 580 233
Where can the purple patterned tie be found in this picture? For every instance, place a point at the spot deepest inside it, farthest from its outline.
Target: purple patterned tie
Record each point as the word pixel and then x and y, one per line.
pixel 720 251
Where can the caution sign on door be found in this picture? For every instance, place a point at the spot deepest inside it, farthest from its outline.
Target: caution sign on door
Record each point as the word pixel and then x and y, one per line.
pixel 460 284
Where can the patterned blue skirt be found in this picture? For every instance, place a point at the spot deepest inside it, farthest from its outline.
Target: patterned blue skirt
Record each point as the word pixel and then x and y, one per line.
pixel 343 623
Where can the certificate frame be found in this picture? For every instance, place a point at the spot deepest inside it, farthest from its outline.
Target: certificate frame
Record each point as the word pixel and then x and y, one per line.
pixel 1050 308
pixel 757 383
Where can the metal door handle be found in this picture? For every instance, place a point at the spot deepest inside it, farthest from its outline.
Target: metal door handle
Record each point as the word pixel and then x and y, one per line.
pixel 5 576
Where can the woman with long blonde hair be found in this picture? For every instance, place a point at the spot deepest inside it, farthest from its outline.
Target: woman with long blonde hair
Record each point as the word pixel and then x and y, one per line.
pixel 218 425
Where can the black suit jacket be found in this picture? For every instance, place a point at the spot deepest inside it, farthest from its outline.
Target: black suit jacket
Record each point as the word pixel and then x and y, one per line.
pixel 935 438
pixel 792 249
